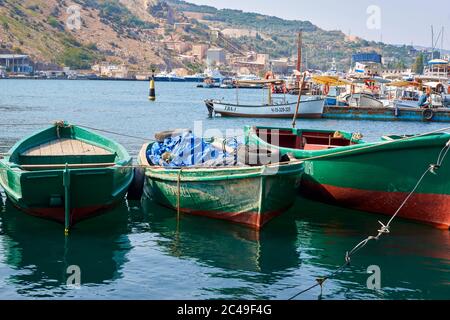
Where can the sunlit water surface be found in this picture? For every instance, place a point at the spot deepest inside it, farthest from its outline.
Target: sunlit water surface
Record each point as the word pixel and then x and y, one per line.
pixel 140 251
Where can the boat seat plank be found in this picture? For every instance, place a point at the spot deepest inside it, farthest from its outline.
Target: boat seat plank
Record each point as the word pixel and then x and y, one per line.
pixel 317 147
pixel 66 147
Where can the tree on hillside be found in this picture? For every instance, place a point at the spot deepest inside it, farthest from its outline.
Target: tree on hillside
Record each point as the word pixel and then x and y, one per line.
pixel 418 64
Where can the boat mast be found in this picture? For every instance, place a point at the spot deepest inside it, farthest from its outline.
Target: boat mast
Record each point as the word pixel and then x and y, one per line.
pixel 299 55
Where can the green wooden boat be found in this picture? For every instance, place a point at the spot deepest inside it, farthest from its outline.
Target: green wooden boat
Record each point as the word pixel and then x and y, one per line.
pixel 373 177
pixel 247 195
pixel 65 173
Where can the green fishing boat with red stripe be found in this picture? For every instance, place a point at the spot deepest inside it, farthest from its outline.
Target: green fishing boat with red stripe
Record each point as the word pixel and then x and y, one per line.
pixel 247 195
pixel 375 177
pixel 66 173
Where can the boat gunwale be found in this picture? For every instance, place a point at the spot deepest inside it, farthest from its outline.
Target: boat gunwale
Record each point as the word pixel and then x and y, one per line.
pixel 221 173
pixel 345 151
pixel 123 158
pixel 262 105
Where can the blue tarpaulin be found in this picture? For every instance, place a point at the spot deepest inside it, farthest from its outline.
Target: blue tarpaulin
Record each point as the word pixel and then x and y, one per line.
pixel 367 57
pixel 187 150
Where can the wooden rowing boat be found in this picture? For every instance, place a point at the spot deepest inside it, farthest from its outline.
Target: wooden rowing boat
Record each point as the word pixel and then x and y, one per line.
pixel 65 173
pixel 248 195
pixel 373 177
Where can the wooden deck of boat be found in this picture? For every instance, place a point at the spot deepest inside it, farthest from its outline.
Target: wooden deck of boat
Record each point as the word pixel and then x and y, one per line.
pixel 66 147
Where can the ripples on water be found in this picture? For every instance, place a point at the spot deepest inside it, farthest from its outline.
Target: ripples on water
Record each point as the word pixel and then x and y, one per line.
pixel 139 251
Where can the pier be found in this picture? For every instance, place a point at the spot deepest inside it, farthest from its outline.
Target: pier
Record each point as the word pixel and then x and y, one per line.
pixel 387 114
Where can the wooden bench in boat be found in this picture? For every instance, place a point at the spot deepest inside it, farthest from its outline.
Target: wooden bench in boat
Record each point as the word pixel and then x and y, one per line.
pixel 306 141
pixel 57 153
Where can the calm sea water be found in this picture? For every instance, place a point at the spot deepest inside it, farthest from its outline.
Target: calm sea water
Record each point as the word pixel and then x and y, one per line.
pixel 140 251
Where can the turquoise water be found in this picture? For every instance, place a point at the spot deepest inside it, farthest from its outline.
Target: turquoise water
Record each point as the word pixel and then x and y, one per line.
pixel 140 251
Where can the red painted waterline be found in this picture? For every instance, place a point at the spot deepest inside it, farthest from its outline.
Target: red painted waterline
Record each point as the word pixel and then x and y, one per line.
pixel 432 209
pixel 243 115
pixel 58 214
pixel 250 219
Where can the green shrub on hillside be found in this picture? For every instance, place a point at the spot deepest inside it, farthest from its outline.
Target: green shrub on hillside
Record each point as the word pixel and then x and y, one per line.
pixel 77 58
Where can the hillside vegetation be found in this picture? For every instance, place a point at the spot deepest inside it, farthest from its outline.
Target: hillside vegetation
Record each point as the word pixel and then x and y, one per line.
pixel 136 32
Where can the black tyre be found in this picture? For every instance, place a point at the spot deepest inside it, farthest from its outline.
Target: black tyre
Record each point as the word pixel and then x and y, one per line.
pixel 258 156
pixel 136 188
pixel 163 135
pixel 427 114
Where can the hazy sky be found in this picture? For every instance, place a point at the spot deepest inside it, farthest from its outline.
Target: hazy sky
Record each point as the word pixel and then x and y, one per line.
pixel 401 21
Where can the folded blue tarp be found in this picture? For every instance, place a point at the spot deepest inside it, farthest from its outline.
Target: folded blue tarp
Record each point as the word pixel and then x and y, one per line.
pixel 187 150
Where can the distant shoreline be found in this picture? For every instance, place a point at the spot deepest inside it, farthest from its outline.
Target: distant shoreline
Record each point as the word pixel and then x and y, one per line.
pixel 65 79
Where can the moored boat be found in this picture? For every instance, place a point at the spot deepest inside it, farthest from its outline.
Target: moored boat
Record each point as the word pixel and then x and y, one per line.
pixel 309 106
pixel 248 195
pixel 374 177
pixel 65 173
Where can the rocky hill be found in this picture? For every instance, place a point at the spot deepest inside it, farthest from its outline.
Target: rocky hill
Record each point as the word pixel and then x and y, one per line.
pixel 78 33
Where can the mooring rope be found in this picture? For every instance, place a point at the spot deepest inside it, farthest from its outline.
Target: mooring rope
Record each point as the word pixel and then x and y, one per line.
pixel 385 229
pixel 179 194
pixel 116 133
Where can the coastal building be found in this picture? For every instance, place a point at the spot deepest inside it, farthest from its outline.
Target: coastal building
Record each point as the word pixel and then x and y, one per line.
pixel 111 71
pixel 280 66
pixel 178 46
pixel 2 72
pixel 262 58
pixel 16 63
pixel 216 56
pixel 199 51
pixel 437 68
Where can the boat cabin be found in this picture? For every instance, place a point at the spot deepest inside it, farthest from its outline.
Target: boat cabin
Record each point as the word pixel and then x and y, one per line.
pixel 309 140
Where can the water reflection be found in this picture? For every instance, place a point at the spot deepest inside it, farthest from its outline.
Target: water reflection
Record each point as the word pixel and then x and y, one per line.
pixel 414 259
pixel 40 253
pixel 223 245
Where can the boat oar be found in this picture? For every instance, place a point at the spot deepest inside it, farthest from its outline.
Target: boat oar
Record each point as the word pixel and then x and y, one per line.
pixel 299 100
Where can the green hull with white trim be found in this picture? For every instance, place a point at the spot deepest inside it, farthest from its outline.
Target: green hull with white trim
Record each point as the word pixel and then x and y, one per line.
pixel 65 169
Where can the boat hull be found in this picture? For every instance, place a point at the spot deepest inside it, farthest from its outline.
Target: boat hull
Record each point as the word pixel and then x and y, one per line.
pixel 378 179
pixel 358 100
pixel 63 167
pixel 312 109
pixel 250 196
pixel 92 191
pixel 429 208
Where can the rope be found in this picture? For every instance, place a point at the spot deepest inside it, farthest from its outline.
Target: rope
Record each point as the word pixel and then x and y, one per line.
pixel 116 133
pixel 179 194
pixel 385 229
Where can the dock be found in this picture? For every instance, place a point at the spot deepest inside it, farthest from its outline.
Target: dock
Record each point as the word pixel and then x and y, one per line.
pixel 385 114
